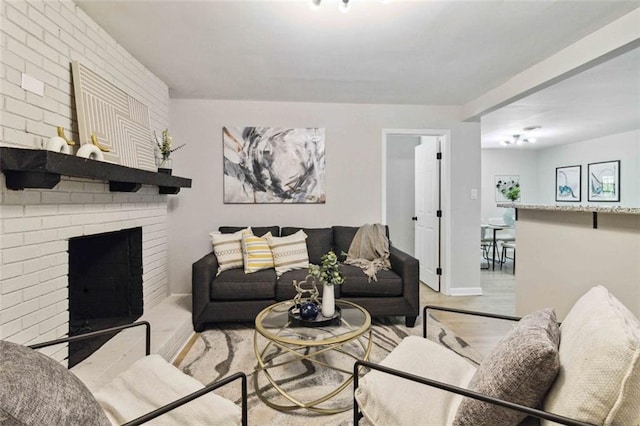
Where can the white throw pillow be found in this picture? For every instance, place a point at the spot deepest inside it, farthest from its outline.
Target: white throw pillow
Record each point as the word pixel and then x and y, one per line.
pixel 290 252
pixel 228 249
pixel 599 379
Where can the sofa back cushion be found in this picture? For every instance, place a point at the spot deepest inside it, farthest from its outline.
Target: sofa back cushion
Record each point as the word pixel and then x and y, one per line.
pixel 599 381
pixel 342 237
pixel 319 241
pixel 520 369
pixel 257 230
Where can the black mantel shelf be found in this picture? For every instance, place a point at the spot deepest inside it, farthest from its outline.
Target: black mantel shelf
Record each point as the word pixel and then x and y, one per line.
pixel 31 168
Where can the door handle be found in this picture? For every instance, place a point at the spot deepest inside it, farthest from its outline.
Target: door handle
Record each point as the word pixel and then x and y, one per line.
pixel 415 218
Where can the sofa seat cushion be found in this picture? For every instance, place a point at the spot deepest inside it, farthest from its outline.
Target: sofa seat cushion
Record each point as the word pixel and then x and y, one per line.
pixel 236 285
pixel 284 286
pixel 357 283
pixel 417 404
pixel 599 381
pixel 319 241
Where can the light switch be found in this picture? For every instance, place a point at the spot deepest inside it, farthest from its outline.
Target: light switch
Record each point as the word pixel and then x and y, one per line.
pixel 32 84
pixel 474 194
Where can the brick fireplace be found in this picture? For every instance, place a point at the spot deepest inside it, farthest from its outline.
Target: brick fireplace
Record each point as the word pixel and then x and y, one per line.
pixel 35 229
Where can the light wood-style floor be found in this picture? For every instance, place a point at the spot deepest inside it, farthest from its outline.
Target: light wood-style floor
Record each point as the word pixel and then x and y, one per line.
pixel 498 297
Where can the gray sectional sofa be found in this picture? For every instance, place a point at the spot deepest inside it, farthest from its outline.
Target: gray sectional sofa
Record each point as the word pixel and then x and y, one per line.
pixel 235 296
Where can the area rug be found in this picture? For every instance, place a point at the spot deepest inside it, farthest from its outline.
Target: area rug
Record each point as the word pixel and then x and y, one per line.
pixel 221 351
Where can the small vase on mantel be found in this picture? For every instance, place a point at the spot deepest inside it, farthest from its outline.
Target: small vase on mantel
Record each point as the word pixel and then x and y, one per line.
pixel 328 301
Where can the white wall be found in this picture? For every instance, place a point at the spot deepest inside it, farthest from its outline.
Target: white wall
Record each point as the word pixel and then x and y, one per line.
pixel 41 39
pixel 401 190
pixel 537 169
pixel 623 146
pixel 523 163
pixel 354 155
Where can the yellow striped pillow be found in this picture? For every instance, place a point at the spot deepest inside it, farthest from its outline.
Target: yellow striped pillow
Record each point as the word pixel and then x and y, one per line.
pixel 256 252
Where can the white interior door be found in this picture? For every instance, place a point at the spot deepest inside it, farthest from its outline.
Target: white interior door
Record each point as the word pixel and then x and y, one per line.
pixel 427 202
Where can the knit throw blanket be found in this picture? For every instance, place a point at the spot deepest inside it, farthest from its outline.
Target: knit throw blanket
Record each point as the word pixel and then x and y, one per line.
pixel 370 250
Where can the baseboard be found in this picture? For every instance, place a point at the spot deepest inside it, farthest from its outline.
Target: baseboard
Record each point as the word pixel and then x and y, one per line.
pixel 466 291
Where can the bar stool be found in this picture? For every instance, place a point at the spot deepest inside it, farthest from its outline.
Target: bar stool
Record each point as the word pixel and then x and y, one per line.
pixel 508 245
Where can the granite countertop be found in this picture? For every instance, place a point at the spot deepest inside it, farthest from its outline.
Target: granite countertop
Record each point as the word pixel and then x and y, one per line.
pixel 574 208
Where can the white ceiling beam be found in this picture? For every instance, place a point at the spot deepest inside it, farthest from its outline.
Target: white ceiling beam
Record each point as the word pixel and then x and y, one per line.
pixel 618 37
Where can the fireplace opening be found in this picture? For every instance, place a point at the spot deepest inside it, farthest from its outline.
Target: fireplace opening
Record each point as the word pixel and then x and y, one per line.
pixel 105 286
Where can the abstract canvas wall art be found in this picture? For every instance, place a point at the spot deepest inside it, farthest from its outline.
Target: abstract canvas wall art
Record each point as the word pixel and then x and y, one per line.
pixel 118 120
pixel 265 165
pixel 604 181
pixel 569 183
pixel 506 187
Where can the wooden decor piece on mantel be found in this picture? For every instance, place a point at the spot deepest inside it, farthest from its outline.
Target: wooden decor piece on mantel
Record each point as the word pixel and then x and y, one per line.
pixel 116 120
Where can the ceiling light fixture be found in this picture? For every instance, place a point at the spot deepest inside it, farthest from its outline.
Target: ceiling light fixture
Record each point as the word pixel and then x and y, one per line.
pixel 344 6
pixel 314 4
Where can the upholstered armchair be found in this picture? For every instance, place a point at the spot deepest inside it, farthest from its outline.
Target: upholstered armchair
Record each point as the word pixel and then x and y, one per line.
pixel 37 390
pixel 585 371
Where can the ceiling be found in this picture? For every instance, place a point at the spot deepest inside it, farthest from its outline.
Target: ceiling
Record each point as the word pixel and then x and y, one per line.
pixel 439 52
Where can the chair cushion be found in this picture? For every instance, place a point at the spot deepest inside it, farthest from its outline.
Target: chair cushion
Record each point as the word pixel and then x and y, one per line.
pixel 599 381
pixel 256 253
pixel 520 369
pixel 319 241
pixel 228 249
pixel 416 404
pixel 236 285
pixel 290 252
pixel 152 382
pixel 357 283
pixel 37 390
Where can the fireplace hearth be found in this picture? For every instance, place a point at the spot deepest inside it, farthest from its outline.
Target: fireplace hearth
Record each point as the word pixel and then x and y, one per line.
pixel 105 286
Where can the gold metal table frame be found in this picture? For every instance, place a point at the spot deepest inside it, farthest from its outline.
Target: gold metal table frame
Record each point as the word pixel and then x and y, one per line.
pixel 298 344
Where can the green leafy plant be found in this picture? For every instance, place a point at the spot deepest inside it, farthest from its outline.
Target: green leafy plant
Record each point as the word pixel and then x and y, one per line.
pixel 509 188
pixel 165 146
pixel 328 272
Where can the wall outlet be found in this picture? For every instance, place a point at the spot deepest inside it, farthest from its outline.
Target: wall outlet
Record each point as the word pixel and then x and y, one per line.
pixel 32 84
pixel 474 194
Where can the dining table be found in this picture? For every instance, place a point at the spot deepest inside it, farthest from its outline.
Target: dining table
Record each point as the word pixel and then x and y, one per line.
pixel 495 227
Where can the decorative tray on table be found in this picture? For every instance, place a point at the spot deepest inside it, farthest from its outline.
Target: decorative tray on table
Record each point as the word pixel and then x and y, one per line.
pixel 319 321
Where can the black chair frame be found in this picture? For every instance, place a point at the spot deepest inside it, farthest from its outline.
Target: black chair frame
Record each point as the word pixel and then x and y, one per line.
pixel 360 365
pixel 172 405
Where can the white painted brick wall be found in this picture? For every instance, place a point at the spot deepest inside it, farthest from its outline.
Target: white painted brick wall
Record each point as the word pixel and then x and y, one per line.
pixel 42 38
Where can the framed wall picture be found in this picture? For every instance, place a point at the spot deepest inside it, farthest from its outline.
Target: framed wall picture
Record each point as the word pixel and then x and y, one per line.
pixel 569 183
pixel 507 188
pixel 273 165
pixel 604 181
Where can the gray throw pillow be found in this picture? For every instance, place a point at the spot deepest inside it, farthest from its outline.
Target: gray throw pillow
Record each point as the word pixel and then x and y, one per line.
pixel 37 390
pixel 520 369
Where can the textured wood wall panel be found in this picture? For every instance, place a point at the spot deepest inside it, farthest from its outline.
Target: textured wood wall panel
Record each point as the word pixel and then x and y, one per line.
pixel 119 121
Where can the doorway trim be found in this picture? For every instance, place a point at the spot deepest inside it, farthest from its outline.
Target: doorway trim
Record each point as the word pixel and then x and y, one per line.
pixel 445 192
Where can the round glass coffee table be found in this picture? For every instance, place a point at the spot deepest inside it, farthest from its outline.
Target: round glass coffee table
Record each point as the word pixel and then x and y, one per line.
pixel 295 359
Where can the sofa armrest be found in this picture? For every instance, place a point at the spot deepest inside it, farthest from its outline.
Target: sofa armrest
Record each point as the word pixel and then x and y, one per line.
pixel 407 267
pixel 454 389
pixel 203 272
